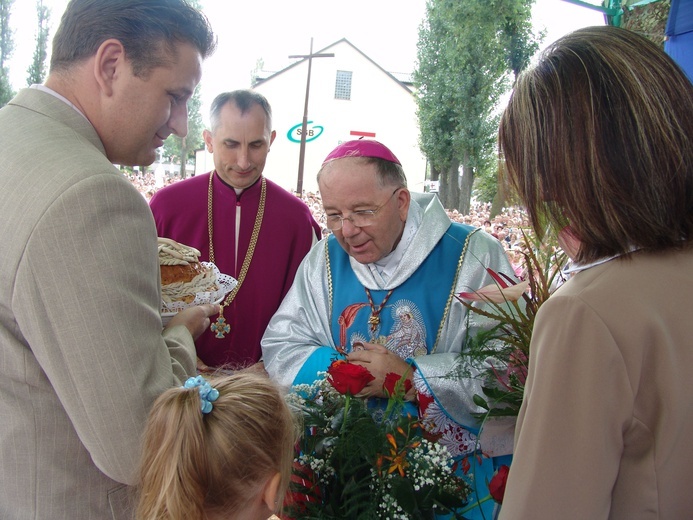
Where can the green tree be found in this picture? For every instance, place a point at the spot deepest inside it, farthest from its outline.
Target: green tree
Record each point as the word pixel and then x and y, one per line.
pixel 436 123
pixel 37 69
pixel 182 149
pixel 6 49
pixel 517 37
pixel 466 53
pixel 520 43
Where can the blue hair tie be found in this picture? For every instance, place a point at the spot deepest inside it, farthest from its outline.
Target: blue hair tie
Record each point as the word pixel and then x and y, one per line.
pixel 208 394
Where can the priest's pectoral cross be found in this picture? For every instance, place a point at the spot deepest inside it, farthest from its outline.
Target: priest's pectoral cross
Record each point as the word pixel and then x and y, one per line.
pixel 220 327
pixel 374 319
pixel 374 325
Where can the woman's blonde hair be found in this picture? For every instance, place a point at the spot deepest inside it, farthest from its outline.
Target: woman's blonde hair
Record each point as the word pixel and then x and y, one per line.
pixel 197 464
pixel 599 134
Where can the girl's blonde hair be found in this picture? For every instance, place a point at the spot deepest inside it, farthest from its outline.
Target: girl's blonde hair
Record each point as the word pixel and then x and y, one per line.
pixel 197 464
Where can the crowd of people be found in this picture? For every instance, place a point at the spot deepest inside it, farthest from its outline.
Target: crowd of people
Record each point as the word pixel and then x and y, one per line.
pixel 146 182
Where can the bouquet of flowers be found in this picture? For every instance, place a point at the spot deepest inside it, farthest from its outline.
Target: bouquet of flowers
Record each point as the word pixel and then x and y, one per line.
pixel 358 460
pixel 513 306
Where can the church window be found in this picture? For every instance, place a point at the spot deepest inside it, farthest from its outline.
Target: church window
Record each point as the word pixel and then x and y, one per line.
pixel 342 89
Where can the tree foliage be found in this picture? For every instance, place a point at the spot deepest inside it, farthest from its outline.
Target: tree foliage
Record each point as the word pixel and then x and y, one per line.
pixel 182 149
pixel 6 49
pixel 649 20
pixel 467 52
pixel 37 70
pixel 517 36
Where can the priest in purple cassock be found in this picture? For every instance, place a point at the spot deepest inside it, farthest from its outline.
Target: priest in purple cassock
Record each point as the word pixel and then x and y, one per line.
pixel 249 227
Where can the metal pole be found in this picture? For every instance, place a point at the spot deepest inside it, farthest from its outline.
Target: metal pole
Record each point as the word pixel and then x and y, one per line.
pixel 304 128
pixel 304 124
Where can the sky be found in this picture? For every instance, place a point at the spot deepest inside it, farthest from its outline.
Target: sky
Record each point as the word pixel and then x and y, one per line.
pixel 271 30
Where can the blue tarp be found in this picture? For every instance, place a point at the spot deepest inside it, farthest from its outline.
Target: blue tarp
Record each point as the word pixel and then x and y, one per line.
pixel 679 31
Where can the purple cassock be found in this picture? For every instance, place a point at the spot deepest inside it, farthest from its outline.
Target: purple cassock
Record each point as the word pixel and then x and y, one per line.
pixel 286 235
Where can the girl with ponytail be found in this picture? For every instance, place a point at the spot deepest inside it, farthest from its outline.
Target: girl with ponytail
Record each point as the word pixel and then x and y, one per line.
pixel 217 448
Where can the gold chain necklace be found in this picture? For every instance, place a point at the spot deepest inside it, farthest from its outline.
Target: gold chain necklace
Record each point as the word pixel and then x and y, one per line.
pixel 220 327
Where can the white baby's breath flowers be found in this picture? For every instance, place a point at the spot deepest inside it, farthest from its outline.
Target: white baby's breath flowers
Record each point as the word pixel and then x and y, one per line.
pixel 406 464
pixel 429 464
pixel 390 509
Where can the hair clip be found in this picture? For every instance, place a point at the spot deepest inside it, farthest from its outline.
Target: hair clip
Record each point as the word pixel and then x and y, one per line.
pixel 208 394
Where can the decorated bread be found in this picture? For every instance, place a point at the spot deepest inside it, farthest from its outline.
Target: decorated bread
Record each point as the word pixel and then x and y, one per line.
pixel 182 275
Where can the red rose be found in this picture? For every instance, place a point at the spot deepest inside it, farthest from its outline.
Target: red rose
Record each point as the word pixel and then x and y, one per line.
pixel 391 380
pixel 497 485
pixel 348 378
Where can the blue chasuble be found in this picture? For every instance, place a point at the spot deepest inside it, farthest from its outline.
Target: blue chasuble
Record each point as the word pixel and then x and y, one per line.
pixel 411 319
pixel 409 323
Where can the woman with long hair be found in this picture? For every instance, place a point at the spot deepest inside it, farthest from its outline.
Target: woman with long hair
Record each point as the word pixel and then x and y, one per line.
pixel 597 141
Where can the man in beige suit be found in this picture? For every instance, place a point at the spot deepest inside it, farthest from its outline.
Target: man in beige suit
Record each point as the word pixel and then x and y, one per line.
pixel 82 352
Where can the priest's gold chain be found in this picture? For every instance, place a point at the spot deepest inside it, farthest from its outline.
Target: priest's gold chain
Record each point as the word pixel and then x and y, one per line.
pixel 251 246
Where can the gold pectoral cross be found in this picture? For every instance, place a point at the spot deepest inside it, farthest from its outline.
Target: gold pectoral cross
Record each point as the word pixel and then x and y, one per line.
pixel 373 325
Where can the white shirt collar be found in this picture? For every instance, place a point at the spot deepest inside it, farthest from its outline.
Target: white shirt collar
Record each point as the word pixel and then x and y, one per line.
pixel 576 268
pixel 386 266
pixel 44 88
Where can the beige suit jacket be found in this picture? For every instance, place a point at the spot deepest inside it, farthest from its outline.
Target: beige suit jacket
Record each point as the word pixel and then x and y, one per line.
pixel 606 428
pixel 82 355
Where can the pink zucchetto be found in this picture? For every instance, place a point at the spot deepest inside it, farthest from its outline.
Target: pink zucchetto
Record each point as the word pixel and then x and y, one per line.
pixel 362 148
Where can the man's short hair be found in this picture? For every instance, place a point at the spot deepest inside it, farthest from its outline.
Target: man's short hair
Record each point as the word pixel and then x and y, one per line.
pixel 148 29
pixel 244 100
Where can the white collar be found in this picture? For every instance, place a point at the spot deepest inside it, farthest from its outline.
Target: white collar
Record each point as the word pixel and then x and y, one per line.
pixel 386 266
pixel 44 88
pixel 576 268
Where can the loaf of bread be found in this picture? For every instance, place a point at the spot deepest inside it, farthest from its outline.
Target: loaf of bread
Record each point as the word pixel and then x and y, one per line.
pixel 171 274
pixel 182 274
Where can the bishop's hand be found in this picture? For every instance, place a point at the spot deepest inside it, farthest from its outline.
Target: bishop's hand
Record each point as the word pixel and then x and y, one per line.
pixel 379 361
